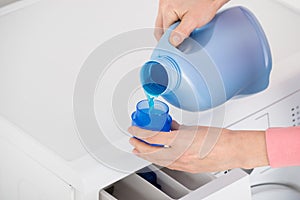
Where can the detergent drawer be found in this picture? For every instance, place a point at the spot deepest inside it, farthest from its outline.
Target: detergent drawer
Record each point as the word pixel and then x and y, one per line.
pixel 153 182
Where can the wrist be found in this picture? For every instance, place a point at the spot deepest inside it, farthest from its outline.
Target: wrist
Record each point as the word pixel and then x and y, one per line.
pixel 252 150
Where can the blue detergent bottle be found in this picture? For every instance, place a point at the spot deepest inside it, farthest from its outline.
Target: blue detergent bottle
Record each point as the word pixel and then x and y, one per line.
pixel 230 56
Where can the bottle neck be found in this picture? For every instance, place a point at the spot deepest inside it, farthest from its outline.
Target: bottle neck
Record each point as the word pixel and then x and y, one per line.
pixel 160 76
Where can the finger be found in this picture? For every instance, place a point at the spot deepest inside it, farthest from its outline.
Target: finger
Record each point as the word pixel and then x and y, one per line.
pixel 184 167
pixel 141 133
pixel 135 151
pixel 174 166
pixel 141 147
pixel 153 137
pixel 182 31
pixel 158 31
pixel 169 18
pixel 144 156
pixel 159 157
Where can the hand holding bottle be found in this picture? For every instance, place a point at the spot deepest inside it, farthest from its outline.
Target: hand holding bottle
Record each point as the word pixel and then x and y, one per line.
pixel 192 14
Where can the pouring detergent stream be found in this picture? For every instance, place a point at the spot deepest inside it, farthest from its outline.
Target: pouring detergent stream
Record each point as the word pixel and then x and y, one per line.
pixel 151 97
pixel 152 114
pixel 230 56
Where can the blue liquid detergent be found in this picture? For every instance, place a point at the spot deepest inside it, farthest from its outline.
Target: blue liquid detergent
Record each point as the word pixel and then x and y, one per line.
pixel 230 56
pixel 156 119
pixel 157 88
pixel 150 101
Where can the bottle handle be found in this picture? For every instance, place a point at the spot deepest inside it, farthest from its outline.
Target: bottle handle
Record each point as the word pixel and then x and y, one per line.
pixel 197 56
pixel 164 43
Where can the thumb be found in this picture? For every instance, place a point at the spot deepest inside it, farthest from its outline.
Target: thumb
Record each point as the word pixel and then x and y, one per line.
pixel 182 31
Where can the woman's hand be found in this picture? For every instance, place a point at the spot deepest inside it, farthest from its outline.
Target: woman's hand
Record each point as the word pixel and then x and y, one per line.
pixel 234 149
pixel 192 14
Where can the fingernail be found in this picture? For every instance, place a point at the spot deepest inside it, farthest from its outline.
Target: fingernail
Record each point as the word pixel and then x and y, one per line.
pixel 130 129
pixel 131 141
pixel 176 40
pixel 134 151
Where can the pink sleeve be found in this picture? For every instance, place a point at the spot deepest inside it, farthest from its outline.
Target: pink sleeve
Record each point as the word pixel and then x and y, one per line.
pixel 283 146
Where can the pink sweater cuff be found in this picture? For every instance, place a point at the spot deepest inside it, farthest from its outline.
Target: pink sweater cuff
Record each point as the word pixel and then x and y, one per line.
pixel 283 146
